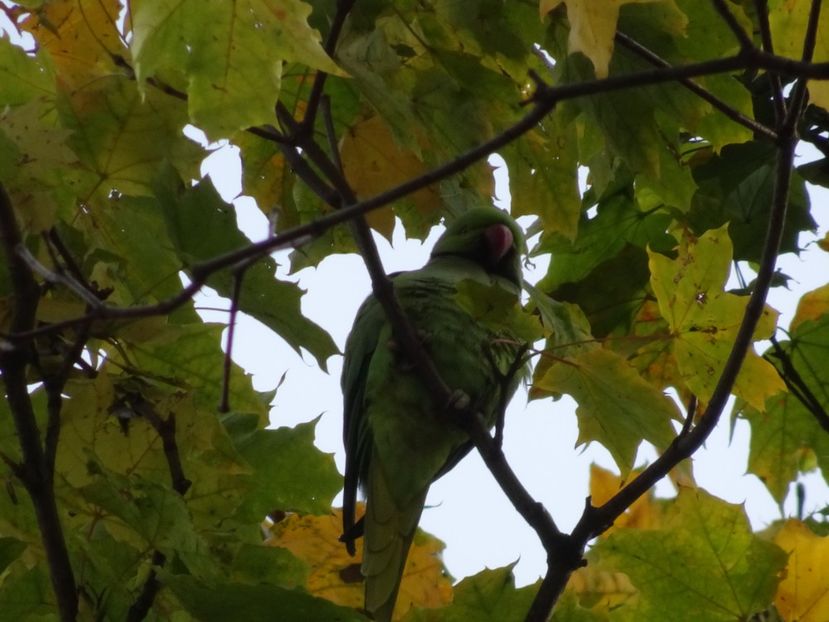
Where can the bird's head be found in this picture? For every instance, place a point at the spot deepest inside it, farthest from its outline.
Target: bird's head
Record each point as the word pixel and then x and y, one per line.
pixel 487 236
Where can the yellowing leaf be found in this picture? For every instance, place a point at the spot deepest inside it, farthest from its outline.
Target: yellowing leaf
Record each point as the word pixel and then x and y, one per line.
pixel 602 590
pixel 616 407
pixel 592 28
pixel 643 514
pixel 803 594
pixel 374 162
pixel 335 575
pixel 812 305
pixel 704 319
pixel 81 36
pixel 121 138
pixel 823 243
pixel 788 19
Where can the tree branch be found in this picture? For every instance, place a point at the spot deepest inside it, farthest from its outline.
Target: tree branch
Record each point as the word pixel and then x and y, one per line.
pixel 238 279
pixel 798 97
pixel 166 429
pixel 798 387
pixel 545 101
pixel 343 9
pixel 728 17
pixel 33 471
pixel 762 8
pixel 732 113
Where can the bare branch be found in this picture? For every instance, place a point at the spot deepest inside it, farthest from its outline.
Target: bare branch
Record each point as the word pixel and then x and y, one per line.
pixel 58 278
pixel 702 92
pixel 690 414
pixel 54 385
pixel 797 386
pixel 238 279
pixel 728 17
pixel 595 520
pixel 343 9
pixel 33 469
pixel 798 96
pixel 762 8
pixel 141 607
pixel 166 429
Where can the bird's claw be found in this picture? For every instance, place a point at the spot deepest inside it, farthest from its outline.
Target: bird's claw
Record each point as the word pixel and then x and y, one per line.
pixel 458 400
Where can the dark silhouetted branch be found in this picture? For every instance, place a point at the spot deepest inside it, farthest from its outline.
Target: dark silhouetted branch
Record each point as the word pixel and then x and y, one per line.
pixel 797 386
pixel 33 470
pixel 728 17
pixel 762 8
pixel 730 112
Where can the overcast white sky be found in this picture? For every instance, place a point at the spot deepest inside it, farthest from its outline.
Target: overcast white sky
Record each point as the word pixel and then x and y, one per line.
pixel 466 508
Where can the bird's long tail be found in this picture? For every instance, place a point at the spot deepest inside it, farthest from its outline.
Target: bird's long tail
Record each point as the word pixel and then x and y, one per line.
pixel 389 530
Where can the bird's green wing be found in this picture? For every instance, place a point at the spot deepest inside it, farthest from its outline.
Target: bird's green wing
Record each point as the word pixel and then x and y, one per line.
pixel 360 346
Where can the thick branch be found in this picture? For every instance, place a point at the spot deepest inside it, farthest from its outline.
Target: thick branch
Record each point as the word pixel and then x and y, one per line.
pixel 594 521
pixel 33 471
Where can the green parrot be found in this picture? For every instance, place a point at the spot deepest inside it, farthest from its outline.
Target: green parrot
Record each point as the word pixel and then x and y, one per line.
pixel 397 439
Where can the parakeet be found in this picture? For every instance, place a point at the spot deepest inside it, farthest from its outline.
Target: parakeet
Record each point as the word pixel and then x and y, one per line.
pixel 397 440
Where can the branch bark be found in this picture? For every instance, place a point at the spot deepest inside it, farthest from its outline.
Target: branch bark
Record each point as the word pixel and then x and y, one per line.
pixel 34 471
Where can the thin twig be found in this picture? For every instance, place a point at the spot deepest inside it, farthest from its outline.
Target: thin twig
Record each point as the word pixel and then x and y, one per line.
pixel 798 387
pixel 797 100
pixel 58 278
pixel 141 607
pixel 690 414
pixel 331 133
pixel 166 429
pixel 238 279
pixel 68 259
pixel 728 17
pixel 730 112
pixel 343 9
pixel 503 398
pixel 762 8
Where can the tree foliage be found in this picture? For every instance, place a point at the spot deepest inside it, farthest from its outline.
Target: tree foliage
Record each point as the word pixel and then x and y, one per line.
pixel 137 464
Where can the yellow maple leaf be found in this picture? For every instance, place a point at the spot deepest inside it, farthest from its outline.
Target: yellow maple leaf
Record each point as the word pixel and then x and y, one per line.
pixel 335 575
pixel 803 594
pixel 704 319
pixel 643 514
pixel 374 162
pixel 592 27
pixel 788 21
pixel 812 305
pixel 81 37
pixel 601 590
